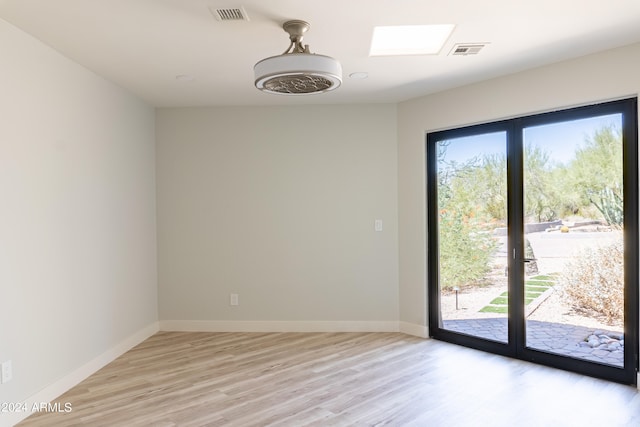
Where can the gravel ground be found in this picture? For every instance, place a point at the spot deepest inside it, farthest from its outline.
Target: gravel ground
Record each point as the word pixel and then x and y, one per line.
pixel 470 301
pixel 553 309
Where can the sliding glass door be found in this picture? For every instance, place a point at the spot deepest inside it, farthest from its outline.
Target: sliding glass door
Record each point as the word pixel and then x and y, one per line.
pixel 471 218
pixel 574 224
pixel 533 238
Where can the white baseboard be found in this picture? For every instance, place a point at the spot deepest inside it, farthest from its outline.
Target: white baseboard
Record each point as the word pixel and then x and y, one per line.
pixel 413 329
pixel 277 326
pixel 59 387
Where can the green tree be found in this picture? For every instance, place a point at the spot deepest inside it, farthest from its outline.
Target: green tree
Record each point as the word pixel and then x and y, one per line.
pixel 542 200
pixel 596 173
pixel 466 240
pixel 488 182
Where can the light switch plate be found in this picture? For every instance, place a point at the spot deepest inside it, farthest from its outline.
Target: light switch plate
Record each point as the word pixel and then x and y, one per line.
pixel 6 372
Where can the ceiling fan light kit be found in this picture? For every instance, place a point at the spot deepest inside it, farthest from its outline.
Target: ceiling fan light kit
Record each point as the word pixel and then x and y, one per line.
pixel 297 71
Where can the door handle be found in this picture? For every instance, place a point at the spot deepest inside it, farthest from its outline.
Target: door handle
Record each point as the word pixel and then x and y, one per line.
pixel 528 259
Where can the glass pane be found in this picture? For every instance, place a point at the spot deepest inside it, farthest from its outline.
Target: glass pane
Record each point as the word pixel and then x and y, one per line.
pixel 472 235
pixel 573 203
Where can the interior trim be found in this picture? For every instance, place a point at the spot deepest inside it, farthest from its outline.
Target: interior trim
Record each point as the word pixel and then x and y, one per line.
pixel 52 391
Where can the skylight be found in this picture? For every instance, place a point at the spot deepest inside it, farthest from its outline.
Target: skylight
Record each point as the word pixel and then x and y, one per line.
pixel 409 39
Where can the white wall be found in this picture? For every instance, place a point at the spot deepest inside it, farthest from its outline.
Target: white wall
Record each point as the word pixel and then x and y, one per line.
pixel 77 215
pixel 277 204
pixel 600 77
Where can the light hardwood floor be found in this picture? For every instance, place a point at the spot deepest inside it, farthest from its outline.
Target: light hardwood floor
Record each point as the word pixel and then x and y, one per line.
pixel 333 379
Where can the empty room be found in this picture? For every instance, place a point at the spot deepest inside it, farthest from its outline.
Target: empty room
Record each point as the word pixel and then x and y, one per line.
pixel 338 213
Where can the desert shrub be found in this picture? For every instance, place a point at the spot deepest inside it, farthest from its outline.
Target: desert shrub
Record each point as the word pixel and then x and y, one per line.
pixel 594 281
pixel 466 249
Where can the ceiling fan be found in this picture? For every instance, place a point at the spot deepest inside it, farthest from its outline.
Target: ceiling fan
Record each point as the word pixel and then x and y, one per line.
pixel 297 71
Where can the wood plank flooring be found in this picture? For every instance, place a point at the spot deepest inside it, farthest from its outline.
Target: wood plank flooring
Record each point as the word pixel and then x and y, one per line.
pixel 333 379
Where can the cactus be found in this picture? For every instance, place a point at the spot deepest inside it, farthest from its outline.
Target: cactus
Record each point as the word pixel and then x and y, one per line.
pixel 611 205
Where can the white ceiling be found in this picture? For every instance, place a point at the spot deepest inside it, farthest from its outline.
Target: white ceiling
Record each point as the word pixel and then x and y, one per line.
pixel 142 45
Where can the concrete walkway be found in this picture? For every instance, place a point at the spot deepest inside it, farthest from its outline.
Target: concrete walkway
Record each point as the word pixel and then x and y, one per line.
pixel 544 336
pixel 554 250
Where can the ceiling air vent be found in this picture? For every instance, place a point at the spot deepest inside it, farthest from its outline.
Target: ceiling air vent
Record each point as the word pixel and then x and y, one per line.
pixel 230 14
pixel 467 49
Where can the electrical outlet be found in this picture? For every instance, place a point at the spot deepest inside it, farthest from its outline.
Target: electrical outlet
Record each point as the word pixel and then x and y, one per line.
pixel 233 299
pixel 377 225
pixel 6 373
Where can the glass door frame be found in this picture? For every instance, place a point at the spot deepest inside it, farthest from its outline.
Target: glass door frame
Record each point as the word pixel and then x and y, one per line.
pixel 516 345
pixel 433 291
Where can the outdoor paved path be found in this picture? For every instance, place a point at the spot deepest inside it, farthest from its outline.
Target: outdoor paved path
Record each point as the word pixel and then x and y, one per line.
pixel 554 250
pixel 545 336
